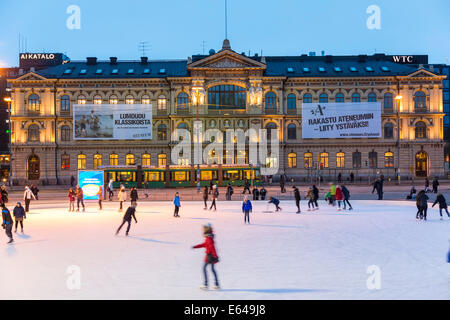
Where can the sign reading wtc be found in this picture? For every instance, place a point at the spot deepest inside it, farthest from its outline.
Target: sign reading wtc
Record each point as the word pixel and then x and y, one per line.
pixel 112 121
pixel 341 120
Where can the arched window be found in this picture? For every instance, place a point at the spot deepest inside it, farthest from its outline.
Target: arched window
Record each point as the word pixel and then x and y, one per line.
pixel 291 102
pixel 81 99
pixel 34 103
pixel 98 161
pixel 372 97
pixel 421 130
pixel 271 101
pixel 98 99
pixel 65 162
pixel 113 99
pixel 34 167
pixel 308 160
pixel 65 133
pixel 420 100
pixel 227 97
pixel 162 106
pixel 339 97
pixel 373 160
pixel 183 101
pixel 33 133
pixel 323 98
pixel 389 159
pixel 146 159
pixel 340 160
pixel 162 160
pixel 292 131
pixel 292 160
pixel 388 130
pixel 323 160
pixel 145 99
pixel 269 127
pixel 65 103
pixel 129 160
pixel 307 98
pixel 162 132
pixel 81 161
pixel 388 102
pixel 356 97
pixel 356 160
pixel 129 99
pixel 113 159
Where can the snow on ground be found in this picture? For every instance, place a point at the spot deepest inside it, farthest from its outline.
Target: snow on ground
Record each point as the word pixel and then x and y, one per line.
pixel 316 255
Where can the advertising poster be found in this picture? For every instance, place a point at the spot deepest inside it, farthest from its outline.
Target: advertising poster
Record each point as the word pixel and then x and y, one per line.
pixel 341 120
pixel 91 182
pixel 112 121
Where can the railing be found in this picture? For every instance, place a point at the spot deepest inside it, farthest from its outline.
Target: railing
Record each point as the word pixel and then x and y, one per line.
pixel 292 111
pixel 271 111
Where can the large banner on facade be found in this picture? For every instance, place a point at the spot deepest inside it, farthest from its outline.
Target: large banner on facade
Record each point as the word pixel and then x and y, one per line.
pixel 112 121
pixel 91 182
pixel 341 120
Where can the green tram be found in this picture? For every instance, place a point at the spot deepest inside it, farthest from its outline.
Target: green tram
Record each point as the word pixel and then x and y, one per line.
pixel 181 176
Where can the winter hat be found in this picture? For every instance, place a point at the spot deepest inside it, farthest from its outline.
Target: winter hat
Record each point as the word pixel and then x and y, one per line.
pixel 207 229
pixel 18 202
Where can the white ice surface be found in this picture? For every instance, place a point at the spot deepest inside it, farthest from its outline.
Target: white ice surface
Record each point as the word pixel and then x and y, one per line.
pixel 319 255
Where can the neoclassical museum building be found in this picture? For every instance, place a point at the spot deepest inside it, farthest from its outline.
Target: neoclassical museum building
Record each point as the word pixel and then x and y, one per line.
pixel 231 90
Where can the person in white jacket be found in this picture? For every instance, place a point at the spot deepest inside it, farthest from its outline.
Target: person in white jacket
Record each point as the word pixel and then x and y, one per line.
pixel 122 196
pixel 27 196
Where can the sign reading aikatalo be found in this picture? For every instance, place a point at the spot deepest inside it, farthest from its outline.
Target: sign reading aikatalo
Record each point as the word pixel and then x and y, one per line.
pixel 112 121
pixel 341 120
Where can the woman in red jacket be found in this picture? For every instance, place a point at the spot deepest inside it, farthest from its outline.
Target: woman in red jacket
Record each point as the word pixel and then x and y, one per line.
pixel 211 255
pixel 339 196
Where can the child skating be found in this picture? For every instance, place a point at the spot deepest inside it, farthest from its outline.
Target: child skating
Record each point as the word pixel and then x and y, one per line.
pixel 211 257
pixel 246 209
pixel 177 204
pixel 276 202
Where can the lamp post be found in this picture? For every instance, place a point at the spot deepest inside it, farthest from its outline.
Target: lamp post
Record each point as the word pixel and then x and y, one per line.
pixel 398 98
pixel 8 100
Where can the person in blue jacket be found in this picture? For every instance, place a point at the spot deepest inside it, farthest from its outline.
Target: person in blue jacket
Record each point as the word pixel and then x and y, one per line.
pixel 276 202
pixel 7 222
pixel 177 203
pixel 246 209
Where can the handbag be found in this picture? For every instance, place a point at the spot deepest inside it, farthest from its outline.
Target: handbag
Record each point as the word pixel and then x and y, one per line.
pixel 211 259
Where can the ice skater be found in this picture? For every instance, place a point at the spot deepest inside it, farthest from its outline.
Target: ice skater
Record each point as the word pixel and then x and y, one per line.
pixel 205 197
pixel 19 215
pixel 27 196
pixel 134 196
pixel 442 204
pixel 100 198
pixel 4 194
pixel 177 204
pixel 7 223
pixel 346 193
pixel 339 196
pixel 79 194
pixel 211 257
pixel 110 189
pixel 122 197
pixel 315 192
pixel 130 213
pixel 71 195
pixel 246 187
pixel 378 186
pixel 333 194
pixel 229 192
pixel 310 198
pixel 215 195
pixel 246 209
pixel 297 198
pixel 435 185
pixel 422 205
pixel 276 202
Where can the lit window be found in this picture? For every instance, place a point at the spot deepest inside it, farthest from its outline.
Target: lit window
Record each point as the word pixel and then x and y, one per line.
pixel 183 101
pixel 323 160
pixel 81 161
pixel 227 97
pixel 162 160
pixel 113 159
pixel 129 99
pixel 81 99
pixel 292 160
pixel 33 133
pixel 271 162
pixel 162 103
pixel 98 160
pixel 269 127
pixel 162 132
pixel 65 162
pixel 389 160
pixel 145 99
pixel 113 99
pixel 421 130
pixel 146 160
pixel 340 160
pixel 34 103
pixel 308 160
pixel 129 159
pixel 97 99
pixel 420 100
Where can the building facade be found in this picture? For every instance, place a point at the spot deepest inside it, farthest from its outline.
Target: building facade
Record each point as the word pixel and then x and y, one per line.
pixel 230 90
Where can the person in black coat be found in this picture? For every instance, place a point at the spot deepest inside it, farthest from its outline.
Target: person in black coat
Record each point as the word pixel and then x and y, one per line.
pixel 263 193
pixel 19 215
pixel 442 204
pixel 229 191
pixel 246 187
pixel 378 186
pixel 435 184
pixel 255 193
pixel 4 194
pixel 72 181
pixel 315 192
pixel 427 185
pixel 134 196
pixel 346 194
pixel 205 197
pixel 7 222
pixel 422 205
pixel 297 198
pixel 130 213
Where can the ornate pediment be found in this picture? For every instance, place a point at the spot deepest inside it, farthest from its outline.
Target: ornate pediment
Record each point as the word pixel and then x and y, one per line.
pixel 227 59
pixel 422 73
pixel 31 76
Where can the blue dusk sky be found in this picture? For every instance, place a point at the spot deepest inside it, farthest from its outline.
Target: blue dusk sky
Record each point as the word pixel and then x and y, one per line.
pixel 176 29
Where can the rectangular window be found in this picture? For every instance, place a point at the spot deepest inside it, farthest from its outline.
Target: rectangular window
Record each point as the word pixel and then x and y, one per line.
pixel 180 176
pixel 206 175
pixel 65 162
pixel 113 160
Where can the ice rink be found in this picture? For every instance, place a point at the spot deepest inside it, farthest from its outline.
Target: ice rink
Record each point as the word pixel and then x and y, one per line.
pixel 323 254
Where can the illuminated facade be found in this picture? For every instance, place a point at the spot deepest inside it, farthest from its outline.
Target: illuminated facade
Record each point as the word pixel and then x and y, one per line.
pixel 231 90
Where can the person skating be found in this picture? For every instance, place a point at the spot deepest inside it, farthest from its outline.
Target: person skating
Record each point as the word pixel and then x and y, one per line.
pixel 442 204
pixel 27 196
pixel 100 198
pixel 310 197
pixel 246 187
pixel 134 196
pixel 177 204
pixel 378 186
pixel 4 195
pixel 211 184
pixel 211 257
pixel 412 194
pixel 215 195
pixel 346 194
pixel 35 191
pixel 229 191
pixel 7 223
pixel 333 194
pixel 79 195
pixel 422 204
pixel 122 197
pixel 427 185
pixel 19 215
pixel 255 193
pixel 315 192
pixel 263 193
pixel 282 181
pixel 205 197
pixel 297 198
pixel 110 189
pixel 435 185
pixel 276 202
pixel 246 209
pixel 71 195
pixel 72 181
pixel 339 196
pixel 130 213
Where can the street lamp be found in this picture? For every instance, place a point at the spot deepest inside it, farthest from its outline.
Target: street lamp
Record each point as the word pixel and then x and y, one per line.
pixel 398 98
pixel 8 100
